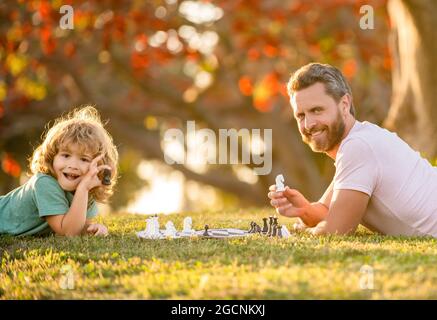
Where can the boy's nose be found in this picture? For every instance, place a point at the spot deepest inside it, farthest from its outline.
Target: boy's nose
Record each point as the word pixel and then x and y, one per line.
pixel 73 163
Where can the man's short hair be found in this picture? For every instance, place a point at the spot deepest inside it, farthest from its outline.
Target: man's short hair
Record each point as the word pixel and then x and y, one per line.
pixel 336 85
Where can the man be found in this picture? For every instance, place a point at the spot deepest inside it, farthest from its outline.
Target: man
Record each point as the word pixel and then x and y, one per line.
pixel 379 180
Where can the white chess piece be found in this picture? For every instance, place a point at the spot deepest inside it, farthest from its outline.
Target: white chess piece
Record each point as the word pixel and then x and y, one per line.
pixel 188 224
pixel 157 230
pixel 170 230
pixel 284 232
pixel 148 227
pixel 280 182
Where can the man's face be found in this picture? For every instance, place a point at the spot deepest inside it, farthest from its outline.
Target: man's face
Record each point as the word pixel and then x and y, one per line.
pixel 319 118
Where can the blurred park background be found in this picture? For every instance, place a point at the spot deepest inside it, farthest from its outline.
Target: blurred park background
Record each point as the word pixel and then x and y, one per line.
pixel 153 65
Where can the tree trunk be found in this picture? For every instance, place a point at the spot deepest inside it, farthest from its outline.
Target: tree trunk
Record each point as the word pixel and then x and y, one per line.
pixel 413 112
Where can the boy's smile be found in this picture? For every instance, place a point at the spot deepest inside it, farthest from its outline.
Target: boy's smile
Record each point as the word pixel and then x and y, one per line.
pixel 70 165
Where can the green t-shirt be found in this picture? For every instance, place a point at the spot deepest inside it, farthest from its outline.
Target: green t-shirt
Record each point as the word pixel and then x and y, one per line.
pixel 22 210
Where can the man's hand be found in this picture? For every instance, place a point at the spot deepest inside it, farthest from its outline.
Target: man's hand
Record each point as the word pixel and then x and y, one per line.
pixel 97 229
pixel 289 203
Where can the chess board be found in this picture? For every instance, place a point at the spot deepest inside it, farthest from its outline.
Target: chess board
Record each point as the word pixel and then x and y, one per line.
pixel 213 233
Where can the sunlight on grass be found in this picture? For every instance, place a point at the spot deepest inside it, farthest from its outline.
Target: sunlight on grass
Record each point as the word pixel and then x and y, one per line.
pixel 301 267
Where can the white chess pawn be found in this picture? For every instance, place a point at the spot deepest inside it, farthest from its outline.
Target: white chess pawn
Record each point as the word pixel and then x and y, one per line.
pixel 285 233
pixel 156 232
pixel 170 230
pixel 188 224
pixel 148 229
pixel 280 182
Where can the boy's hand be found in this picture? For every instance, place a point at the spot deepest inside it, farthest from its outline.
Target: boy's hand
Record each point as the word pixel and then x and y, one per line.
pixel 91 180
pixel 97 229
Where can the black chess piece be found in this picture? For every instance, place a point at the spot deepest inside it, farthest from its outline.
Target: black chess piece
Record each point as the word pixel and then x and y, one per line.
pixel 106 180
pixel 270 230
pixel 279 232
pixel 265 226
pixel 275 220
pixel 252 227
pixel 275 230
pixel 206 233
pixel 257 228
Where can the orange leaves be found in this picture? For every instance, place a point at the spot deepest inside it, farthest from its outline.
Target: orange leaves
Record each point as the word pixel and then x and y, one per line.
pixel 349 68
pixel 139 60
pixel 44 10
pixel 245 85
pixel 10 166
pixel 263 91
pixel 270 51
pixel 253 54
pixel 69 49
pixel 47 42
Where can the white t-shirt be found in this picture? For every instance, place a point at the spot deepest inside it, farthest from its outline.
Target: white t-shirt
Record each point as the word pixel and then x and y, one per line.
pixel 401 184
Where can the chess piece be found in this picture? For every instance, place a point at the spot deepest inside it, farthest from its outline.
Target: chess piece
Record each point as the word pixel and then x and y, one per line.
pixel 206 234
pixel 280 182
pixel 257 228
pixel 188 223
pixel 170 230
pixel 251 230
pixel 275 220
pixel 265 226
pixel 154 232
pixel 269 232
pixel 106 177
pixel 147 231
pixel 275 230
pixel 284 231
pixel 279 235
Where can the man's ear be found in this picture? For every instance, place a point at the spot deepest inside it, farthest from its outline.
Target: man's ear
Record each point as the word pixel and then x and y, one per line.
pixel 346 103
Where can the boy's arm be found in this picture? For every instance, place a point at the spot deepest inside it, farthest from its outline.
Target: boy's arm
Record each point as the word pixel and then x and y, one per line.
pixel 73 222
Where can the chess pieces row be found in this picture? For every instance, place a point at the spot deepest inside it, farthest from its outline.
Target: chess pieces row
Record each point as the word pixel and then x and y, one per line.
pixel 153 231
pixel 270 228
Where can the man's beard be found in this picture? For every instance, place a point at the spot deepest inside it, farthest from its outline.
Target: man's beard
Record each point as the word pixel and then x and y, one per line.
pixel 333 134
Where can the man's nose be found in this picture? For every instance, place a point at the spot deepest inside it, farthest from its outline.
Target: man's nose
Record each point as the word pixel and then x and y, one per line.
pixel 309 123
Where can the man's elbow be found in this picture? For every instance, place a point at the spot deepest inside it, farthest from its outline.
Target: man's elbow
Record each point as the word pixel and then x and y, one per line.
pixel 324 228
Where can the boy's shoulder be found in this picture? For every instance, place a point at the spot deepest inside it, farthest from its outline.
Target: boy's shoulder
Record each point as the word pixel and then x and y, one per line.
pixel 44 177
pixel 42 180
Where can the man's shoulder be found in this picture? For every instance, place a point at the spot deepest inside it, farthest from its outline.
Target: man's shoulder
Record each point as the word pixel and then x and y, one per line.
pixel 366 129
pixel 367 135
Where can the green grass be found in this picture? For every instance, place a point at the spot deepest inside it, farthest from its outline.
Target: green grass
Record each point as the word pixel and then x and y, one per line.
pixel 301 267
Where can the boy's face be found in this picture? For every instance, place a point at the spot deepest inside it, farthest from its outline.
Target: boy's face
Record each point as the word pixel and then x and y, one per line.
pixel 70 165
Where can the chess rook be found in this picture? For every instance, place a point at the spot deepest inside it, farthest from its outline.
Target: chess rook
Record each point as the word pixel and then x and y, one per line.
pixel 265 226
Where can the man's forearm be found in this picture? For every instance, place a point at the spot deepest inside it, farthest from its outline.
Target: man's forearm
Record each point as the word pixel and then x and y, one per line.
pixel 75 219
pixel 314 213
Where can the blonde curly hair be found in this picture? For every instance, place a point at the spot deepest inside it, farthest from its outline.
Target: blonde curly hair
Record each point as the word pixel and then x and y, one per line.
pixel 84 128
